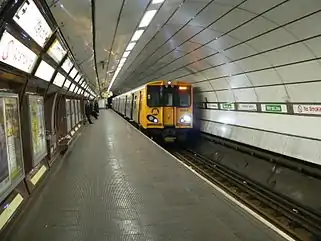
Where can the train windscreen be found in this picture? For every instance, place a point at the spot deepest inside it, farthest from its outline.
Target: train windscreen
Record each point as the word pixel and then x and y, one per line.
pixel 168 96
pixel 182 96
pixel 154 96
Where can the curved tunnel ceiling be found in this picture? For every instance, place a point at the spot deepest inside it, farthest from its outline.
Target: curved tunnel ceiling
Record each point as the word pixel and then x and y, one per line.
pixel 234 50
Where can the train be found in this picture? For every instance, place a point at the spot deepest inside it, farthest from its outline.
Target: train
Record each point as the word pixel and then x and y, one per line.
pixel 162 109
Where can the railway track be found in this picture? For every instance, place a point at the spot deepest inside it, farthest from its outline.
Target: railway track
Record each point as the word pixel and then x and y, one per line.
pixel 297 221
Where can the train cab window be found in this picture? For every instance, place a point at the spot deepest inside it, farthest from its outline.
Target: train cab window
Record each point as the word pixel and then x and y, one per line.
pixel 154 96
pixel 167 96
pixel 182 96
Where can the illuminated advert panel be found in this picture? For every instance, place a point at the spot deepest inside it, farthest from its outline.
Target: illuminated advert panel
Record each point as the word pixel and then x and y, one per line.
pixel 29 18
pixel 72 87
pixel 67 65
pixel 59 80
pixel 56 51
pixel 73 73
pixel 16 54
pixel 45 71
pixel 78 78
pixel 67 84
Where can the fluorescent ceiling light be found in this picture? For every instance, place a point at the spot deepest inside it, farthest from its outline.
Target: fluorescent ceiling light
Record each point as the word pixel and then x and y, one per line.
pixel 122 61
pixel 149 15
pixel 125 55
pixel 137 35
pixel 157 1
pixel 130 46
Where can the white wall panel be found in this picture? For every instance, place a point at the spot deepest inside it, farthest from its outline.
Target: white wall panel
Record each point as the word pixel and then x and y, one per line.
pixel 272 94
pixel 264 77
pixel 238 81
pixel 294 9
pixel 260 6
pixel 314 45
pixel 218 59
pixel 301 148
pixel 307 92
pixel 306 27
pixel 256 62
pixel 253 28
pixel 225 96
pixel 209 96
pixel 271 122
pixel 223 42
pixel 276 38
pixel 300 72
pixel 289 54
pixel 240 51
pixel 203 86
pixel 245 95
pixel 220 84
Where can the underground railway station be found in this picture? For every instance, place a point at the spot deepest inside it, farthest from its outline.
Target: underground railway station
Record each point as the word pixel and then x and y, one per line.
pixel 182 120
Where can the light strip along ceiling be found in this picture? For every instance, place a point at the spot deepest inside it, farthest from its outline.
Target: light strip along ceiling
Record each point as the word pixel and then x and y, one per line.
pixel 145 21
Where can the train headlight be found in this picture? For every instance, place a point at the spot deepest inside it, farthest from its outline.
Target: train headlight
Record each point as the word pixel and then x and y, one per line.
pixel 152 118
pixel 186 119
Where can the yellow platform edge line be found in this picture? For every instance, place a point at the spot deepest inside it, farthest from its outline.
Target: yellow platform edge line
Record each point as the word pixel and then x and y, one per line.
pixel 9 211
pixel 38 175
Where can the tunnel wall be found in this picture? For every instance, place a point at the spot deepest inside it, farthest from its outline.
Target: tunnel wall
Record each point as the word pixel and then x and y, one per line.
pixel 265 92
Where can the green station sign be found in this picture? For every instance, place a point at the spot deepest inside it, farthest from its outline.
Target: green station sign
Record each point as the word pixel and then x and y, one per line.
pixel 273 108
pixel 227 106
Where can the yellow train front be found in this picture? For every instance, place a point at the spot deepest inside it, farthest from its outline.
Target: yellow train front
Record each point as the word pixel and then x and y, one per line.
pixel 161 108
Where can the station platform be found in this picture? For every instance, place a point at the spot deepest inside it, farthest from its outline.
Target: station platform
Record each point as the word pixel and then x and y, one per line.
pixel 116 184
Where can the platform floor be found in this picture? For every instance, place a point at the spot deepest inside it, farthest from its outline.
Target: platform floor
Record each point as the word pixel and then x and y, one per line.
pixel 118 185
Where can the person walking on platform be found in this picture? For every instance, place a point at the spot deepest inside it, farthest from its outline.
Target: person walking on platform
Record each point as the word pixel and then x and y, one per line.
pixel 88 111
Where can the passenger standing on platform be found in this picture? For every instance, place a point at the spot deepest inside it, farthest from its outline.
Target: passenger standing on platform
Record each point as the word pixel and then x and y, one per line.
pixel 96 106
pixel 93 112
pixel 88 111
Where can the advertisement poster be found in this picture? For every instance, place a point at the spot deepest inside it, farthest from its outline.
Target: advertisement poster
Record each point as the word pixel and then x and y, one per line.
pixel 16 54
pixel 11 160
pixel 37 128
pixel 30 19
pixel 4 167
pixel 56 51
pixel 13 137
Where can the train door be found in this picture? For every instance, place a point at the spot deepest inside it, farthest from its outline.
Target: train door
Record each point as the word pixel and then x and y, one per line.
pixel 135 108
pixel 139 105
pixel 132 107
pixel 168 109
